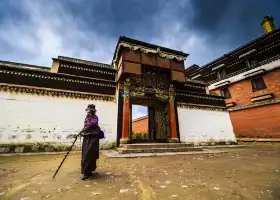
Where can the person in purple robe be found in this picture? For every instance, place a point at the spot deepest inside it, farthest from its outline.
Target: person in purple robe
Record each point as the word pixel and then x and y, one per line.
pixel 90 147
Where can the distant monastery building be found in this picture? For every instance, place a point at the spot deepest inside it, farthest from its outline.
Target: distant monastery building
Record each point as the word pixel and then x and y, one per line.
pixel 249 78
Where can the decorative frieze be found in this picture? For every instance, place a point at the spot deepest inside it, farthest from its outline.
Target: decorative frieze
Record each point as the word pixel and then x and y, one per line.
pixel 196 81
pixel 126 88
pixel 195 86
pixel 256 104
pixel 261 63
pixel 54 93
pixel 202 97
pixel 79 61
pixel 138 93
pixel 24 66
pixel 172 94
pixel 272 59
pixel 201 107
pixel 86 69
pixel 145 50
pixel 54 77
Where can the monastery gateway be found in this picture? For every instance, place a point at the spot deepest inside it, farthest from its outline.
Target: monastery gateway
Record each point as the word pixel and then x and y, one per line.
pixel 42 104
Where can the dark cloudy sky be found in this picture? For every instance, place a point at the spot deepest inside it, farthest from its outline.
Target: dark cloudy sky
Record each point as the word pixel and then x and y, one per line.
pixel 34 31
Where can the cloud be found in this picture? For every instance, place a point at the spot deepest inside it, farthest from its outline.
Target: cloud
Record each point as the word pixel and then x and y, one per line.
pixel 48 30
pixel 176 31
pixel 209 30
pixel 139 111
pixel 33 31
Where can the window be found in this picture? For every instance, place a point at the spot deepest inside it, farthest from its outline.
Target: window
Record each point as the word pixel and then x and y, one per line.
pixel 225 93
pixel 258 84
pixel 251 62
pixel 221 74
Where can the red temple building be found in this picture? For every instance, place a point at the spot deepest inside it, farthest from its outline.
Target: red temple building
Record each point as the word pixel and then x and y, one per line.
pixel 249 78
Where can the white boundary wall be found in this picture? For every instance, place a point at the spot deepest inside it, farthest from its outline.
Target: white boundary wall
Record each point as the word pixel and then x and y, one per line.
pixel 32 118
pixel 199 126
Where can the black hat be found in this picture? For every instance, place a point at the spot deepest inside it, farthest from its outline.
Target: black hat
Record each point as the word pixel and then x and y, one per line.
pixel 91 107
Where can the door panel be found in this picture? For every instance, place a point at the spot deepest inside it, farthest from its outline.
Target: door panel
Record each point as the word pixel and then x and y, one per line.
pixel 152 127
pixel 162 122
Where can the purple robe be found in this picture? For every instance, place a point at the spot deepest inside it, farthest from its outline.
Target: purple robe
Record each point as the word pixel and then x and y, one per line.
pixel 90 146
pixel 91 125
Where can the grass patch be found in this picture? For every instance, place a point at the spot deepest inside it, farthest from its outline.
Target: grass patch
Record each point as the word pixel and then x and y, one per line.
pixel 35 147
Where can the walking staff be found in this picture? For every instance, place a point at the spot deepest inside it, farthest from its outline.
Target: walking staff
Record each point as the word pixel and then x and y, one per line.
pixel 90 147
pixel 65 157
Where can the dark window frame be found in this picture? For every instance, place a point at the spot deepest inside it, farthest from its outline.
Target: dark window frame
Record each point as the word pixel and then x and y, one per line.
pixel 251 62
pixel 258 86
pixel 221 74
pixel 222 91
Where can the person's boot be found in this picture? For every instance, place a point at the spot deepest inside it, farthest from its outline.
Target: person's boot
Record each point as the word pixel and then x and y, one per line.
pixel 86 176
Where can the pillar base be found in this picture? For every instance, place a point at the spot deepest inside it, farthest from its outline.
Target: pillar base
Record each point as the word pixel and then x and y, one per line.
pixel 124 140
pixel 173 140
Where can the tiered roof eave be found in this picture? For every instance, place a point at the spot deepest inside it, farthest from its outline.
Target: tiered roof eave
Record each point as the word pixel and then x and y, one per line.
pixel 84 62
pixel 147 46
pixel 242 49
pixel 24 66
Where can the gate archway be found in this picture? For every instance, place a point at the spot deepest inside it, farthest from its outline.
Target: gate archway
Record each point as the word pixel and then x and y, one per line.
pixel 152 89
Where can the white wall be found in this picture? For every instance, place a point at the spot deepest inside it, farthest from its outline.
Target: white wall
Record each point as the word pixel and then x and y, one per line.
pixel 50 119
pixel 198 126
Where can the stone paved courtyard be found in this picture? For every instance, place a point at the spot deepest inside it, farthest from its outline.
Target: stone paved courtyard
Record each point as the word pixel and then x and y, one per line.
pixel 251 172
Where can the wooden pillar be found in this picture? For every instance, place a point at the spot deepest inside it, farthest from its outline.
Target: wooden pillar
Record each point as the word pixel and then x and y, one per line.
pixel 126 114
pixel 151 118
pixel 172 116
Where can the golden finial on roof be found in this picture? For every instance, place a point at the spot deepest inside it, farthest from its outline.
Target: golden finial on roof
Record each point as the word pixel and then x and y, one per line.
pixel 268 24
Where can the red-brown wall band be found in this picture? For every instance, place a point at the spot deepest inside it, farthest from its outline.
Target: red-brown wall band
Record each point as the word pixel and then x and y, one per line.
pixel 261 121
pixel 257 122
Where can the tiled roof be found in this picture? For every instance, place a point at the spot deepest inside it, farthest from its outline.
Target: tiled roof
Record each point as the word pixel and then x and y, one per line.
pixel 25 66
pixel 75 60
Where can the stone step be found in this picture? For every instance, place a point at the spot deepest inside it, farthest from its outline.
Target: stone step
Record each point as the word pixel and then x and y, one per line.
pixel 158 150
pixel 157 145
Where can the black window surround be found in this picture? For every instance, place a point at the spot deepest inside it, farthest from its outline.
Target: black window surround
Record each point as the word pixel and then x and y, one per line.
pixel 258 84
pixel 225 93
pixel 251 62
pixel 221 74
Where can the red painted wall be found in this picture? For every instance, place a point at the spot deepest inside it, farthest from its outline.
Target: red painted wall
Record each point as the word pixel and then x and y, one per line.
pixel 140 125
pixel 259 121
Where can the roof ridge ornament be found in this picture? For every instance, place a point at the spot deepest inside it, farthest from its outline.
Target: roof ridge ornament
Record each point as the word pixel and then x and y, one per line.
pixel 146 50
